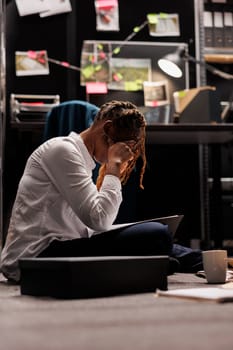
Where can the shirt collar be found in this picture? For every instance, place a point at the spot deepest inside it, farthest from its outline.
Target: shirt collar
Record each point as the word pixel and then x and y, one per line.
pixel 77 138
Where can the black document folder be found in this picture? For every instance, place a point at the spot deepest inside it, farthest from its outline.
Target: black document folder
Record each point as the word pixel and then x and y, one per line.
pixel 228 29
pixel 218 29
pixel 208 28
pixel 92 277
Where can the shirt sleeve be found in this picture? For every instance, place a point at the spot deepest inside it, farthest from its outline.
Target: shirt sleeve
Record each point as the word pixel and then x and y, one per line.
pixel 67 169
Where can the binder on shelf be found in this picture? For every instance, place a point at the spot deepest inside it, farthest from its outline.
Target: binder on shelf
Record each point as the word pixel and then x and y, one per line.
pixel 197 105
pixel 218 29
pixel 208 27
pixel 228 29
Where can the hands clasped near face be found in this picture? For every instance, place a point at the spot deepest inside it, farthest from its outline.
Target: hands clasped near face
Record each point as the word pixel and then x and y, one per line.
pixel 121 152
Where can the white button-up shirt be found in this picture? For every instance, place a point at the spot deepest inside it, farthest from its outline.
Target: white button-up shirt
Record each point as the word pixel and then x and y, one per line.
pixel 57 199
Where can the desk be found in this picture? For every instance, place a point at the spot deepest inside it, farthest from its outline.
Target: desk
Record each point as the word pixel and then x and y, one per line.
pixel 166 133
pixel 189 133
pixel 28 126
pixel 203 135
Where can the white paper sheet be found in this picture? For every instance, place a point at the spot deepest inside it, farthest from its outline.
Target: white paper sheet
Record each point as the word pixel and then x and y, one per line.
pixel 217 294
pixel 29 7
pixel 57 7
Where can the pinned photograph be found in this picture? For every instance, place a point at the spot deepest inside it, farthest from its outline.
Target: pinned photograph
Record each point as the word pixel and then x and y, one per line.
pixel 107 15
pixel 31 63
pixel 128 74
pixel 155 93
pixel 30 7
pixel 57 7
pixel 42 7
pixel 163 24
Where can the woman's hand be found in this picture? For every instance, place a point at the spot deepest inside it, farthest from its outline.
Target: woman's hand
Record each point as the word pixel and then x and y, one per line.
pixel 121 151
pixel 119 154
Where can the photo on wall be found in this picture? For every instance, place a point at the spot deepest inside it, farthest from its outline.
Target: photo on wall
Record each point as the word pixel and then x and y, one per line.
pixel 155 93
pixel 119 73
pixel 31 63
pixel 129 74
pixel 107 15
pixel 95 63
pixel 163 24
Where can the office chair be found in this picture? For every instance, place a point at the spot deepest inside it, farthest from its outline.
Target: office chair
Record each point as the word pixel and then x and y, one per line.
pixel 73 115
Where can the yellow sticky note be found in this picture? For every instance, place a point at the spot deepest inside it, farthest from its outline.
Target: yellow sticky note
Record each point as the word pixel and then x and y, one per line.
pixel 132 86
pixel 136 29
pixel 182 93
pixel 116 50
pixel 163 15
pixel 88 71
pixel 152 18
pixel 98 68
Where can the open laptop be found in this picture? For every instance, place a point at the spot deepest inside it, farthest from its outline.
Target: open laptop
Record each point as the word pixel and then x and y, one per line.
pixel 172 221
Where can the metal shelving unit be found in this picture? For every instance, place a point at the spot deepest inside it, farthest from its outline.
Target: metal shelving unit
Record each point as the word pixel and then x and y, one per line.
pixel 2 107
pixel 203 150
pixel 212 55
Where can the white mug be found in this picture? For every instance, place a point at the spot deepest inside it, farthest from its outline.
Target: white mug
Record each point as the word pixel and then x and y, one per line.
pixel 215 265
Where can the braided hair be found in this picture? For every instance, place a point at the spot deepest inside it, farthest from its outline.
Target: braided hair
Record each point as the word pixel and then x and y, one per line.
pixel 126 117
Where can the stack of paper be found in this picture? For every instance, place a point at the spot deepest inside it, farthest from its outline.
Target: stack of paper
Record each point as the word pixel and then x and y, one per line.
pixel 218 294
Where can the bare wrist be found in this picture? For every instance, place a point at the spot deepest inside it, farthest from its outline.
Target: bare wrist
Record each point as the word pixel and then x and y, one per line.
pixel 114 167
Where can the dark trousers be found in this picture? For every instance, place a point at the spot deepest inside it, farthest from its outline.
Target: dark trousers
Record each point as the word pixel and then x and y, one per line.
pixel 150 238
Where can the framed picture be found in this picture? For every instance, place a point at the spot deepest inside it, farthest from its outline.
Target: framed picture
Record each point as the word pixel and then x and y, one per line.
pixel 155 93
pixel 31 63
pixel 129 74
pixel 163 24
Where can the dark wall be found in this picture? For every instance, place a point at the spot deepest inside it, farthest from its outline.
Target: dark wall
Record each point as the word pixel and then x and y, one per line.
pixel 62 36
pixel 171 180
pixel 34 33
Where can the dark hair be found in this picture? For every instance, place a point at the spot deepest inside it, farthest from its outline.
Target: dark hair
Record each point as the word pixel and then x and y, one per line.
pixel 124 116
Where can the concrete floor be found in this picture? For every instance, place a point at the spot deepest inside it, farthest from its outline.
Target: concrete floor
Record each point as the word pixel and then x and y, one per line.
pixel 140 321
